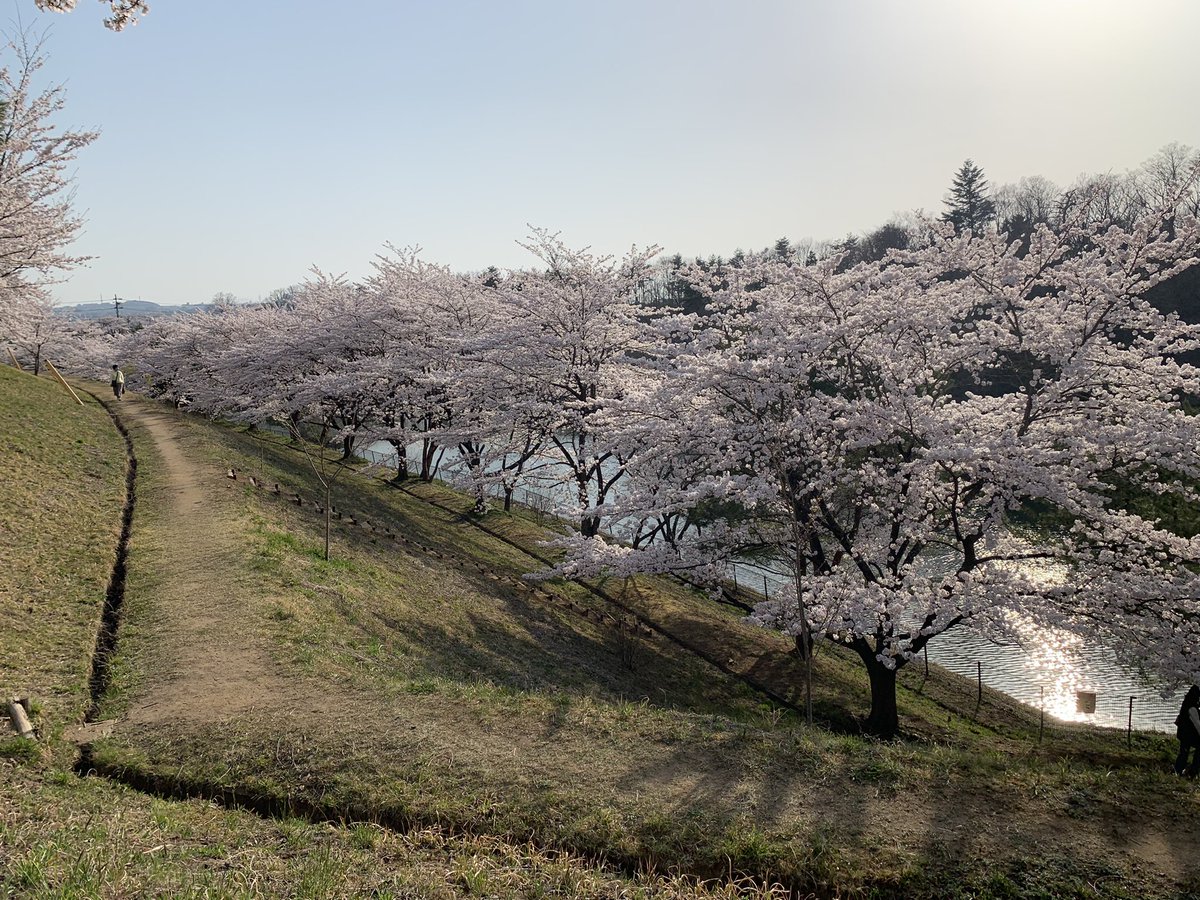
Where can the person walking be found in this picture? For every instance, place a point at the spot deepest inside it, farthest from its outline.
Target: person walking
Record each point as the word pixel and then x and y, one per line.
pixel 118 382
pixel 1187 729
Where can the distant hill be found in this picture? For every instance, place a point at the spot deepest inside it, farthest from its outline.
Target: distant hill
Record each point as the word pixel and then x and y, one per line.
pixel 128 308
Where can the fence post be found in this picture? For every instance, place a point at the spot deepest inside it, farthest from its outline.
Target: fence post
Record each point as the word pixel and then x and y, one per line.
pixel 766 588
pixel 925 649
pixel 979 680
pixel 1129 727
pixel 1042 718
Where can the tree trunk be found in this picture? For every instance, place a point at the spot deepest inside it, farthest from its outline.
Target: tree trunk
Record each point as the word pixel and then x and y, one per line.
pixel 428 451
pixel 401 461
pixel 347 447
pixel 804 649
pixel 884 720
pixel 474 460
pixel 589 523
pixel 508 495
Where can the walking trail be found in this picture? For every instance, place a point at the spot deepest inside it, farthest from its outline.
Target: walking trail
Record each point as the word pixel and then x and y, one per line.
pixel 205 660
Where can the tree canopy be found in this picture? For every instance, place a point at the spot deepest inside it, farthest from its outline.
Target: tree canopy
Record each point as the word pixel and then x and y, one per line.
pixel 124 12
pixel 968 206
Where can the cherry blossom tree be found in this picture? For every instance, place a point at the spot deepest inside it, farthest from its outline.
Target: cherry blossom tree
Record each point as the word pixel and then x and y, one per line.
pixel 36 219
pixel 889 432
pixel 124 12
pixel 31 327
pixel 420 310
pixel 572 327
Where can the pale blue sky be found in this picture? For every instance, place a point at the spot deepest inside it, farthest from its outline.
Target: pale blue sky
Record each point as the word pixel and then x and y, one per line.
pixel 246 140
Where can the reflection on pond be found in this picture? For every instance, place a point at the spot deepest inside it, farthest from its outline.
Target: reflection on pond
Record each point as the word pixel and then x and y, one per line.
pixel 1037 666
pixel 1054 667
pixel 1072 679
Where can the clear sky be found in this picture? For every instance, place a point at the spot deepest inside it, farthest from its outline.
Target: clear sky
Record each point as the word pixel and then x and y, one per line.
pixel 244 141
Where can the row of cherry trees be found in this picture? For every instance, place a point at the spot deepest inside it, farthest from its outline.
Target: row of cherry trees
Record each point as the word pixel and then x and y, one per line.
pixel 932 440
pixel 512 372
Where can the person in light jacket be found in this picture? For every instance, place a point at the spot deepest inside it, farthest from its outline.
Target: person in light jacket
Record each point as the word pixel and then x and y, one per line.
pixel 1187 728
pixel 118 382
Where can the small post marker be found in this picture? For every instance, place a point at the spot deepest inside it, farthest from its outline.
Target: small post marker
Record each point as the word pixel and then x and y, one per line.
pixel 1042 718
pixel 19 719
pixel 1129 727
pixel 57 377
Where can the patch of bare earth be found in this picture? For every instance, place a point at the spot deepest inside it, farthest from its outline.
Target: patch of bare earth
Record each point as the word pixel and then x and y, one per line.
pixel 207 662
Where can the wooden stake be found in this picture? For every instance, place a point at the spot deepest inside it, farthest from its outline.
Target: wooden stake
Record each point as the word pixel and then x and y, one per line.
pixel 63 382
pixel 1042 719
pixel 20 720
pixel 13 357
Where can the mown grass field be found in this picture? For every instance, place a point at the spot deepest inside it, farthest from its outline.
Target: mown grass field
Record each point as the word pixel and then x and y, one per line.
pixel 433 726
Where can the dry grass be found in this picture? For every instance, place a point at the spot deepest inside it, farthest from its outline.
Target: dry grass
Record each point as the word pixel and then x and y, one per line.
pixel 467 702
pixel 431 728
pixel 69 837
pixel 66 836
pixel 64 470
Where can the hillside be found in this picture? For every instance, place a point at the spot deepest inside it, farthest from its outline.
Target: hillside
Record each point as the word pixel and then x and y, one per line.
pixel 417 686
pixel 129 308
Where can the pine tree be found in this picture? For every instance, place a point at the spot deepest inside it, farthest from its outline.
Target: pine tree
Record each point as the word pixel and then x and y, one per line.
pixel 969 208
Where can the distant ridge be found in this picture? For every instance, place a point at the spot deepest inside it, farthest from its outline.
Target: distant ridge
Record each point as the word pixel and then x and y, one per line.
pixel 128 308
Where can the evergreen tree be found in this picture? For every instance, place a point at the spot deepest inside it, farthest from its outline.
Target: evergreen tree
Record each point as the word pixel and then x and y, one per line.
pixel 969 208
pixel 850 246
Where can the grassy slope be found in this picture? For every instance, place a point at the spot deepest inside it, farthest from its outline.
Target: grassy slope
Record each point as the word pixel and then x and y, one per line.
pixel 64 469
pixel 65 836
pixel 533 719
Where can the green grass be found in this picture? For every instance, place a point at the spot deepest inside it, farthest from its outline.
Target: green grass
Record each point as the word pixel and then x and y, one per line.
pixel 64 471
pixel 531 721
pixel 454 733
pixel 67 836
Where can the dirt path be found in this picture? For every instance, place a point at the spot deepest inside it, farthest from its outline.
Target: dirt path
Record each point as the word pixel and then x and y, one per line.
pixel 206 663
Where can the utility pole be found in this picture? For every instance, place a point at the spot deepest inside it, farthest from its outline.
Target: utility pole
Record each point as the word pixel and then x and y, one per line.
pixel 117 304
